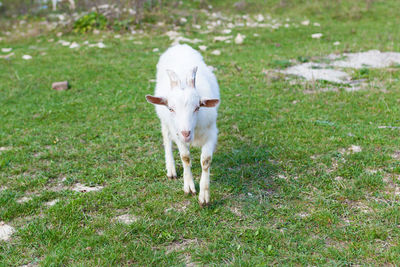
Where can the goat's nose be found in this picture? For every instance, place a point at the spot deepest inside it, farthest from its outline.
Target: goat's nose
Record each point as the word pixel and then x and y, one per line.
pixel 185 133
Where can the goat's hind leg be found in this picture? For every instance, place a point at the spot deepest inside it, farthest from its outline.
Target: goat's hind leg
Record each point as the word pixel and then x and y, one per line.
pixel 169 156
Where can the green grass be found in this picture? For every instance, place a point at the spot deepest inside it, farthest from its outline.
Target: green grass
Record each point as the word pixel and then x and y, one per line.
pixel 285 189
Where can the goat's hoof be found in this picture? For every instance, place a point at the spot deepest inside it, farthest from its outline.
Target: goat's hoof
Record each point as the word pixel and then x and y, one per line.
pixel 204 204
pixel 190 192
pixel 172 177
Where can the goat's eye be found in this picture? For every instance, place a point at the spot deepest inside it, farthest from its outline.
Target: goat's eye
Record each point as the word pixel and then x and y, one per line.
pixel 171 109
pixel 196 109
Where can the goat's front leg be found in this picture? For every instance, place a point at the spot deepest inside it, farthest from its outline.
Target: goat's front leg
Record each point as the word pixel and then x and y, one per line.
pixel 169 157
pixel 188 184
pixel 206 157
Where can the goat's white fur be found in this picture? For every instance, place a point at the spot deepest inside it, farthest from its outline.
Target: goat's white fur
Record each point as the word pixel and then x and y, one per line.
pixel 187 99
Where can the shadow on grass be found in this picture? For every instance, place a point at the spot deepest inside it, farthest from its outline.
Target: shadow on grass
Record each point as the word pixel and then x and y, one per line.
pixel 245 170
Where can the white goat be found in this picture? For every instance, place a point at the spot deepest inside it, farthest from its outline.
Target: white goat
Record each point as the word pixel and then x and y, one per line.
pixel 187 109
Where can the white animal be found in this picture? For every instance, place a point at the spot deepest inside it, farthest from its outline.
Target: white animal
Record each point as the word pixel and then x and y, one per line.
pixel 187 99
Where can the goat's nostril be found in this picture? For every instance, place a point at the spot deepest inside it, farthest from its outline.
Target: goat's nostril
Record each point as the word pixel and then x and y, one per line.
pixel 185 133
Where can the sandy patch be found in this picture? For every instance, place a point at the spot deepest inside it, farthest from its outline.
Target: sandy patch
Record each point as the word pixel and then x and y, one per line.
pixel 389 127
pixel 57 185
pixel 334 70
pixel 126 219
pixel 180 245
pixel 351 150
pixel 222 38
pixel 360 206
pixel 52 202
pixel 189 262
pixel 83 188
pixel 370 59
pixel 396 155
pixel 24 199
pixel 314 71
pixel 179 207
pixel 236 211
pixel 6 231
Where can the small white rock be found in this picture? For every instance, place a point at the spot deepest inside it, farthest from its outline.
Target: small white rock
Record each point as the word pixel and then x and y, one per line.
pixel 239 39
pixel 52 202
pixel 26 57
pixel 156 50
pixel 260 18
pixel 336 43
pixel 74 45
pixel 96 32
pixel 202 47
pixel 316 35
pixel 226 31
pixel 305 22
pixel 256 34
pixel 355 149
pixel 6 50
pixel 216 52
pixel 83 188
pixel 338 178
pixel 117 36
pixel 281 176
pixel 5 231
pixel 316 24
pixel 101 45
pixel 183 20
pixel 64 43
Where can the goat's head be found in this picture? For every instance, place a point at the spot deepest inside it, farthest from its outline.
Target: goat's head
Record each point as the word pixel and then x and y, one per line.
pixel 183 104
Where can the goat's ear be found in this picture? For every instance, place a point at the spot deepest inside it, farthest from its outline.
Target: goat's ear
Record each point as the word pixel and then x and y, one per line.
pixel 174 79
pixel 156 100
pixel 209 103
pixel 191 78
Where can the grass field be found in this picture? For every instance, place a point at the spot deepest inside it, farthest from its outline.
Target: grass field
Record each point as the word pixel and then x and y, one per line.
pixel 301 175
